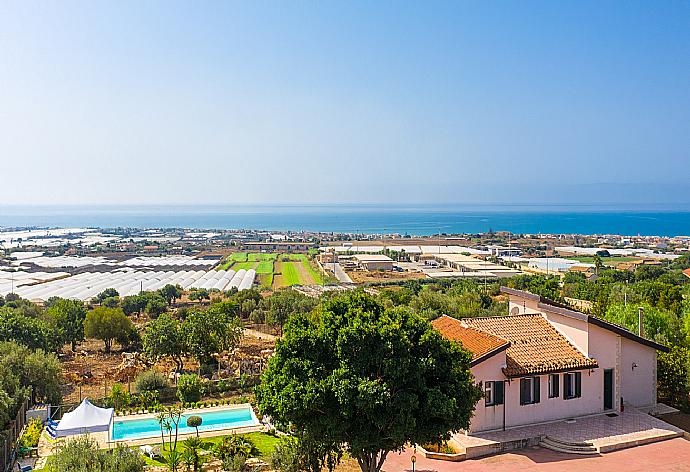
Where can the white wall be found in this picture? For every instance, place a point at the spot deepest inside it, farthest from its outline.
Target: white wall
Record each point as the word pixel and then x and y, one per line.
pixel 488 417
pixel 638 385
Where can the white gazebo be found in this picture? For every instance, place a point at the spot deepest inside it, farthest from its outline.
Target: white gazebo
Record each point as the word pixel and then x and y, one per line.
pixel 86 418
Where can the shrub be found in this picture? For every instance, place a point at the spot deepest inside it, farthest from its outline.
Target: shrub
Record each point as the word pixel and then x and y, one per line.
pixel 32 433
pixel 194 422
pixel 189 388
pixel 119 396
pixel 83 454
pixel 149 381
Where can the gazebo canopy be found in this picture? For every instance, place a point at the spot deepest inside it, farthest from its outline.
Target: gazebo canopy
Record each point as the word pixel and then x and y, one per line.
pixel 86 418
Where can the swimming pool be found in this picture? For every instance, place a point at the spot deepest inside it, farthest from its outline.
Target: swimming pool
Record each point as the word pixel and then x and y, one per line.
pixel 227 418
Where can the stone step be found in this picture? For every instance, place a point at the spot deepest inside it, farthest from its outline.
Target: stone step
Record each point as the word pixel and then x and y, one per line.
pixel 582 449
pixel 568 443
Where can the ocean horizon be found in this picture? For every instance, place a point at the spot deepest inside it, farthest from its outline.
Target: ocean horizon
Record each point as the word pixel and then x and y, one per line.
pixel 413 220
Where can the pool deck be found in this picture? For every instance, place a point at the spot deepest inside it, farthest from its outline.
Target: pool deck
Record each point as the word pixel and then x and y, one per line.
pixel 47 448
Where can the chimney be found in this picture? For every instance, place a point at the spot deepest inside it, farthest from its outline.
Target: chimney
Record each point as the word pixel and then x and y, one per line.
pixel 640 321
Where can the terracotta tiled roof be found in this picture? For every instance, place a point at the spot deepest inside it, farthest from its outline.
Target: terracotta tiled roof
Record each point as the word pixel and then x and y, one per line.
pixel 478 342
pixel 687 272
pixel 536 347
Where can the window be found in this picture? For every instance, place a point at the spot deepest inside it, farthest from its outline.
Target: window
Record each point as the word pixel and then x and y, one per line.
pixel 553 385
pixel 529 390
pixel 493 393
pixel 572 385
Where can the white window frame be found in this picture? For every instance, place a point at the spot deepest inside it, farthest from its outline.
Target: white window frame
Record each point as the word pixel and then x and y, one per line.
pixel 489 397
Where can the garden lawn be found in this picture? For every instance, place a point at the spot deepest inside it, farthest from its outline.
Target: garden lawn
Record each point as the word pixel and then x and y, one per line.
pixel 264 443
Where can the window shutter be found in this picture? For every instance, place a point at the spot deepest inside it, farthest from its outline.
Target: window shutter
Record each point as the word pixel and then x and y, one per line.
pixel 535 385
pixel 524 391
pixel 578 384
pixel 555 385
pixel 565 386
pixel 498 392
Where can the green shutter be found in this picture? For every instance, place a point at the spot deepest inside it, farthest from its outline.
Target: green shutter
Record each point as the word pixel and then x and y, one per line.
pixel 535 386
pixel 578 384
pixel 524 391
pixel 565 386
pixel 498 392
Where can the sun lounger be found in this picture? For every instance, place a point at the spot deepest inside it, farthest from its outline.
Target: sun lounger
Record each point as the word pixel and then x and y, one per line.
pixel 24 468
pixel 151 451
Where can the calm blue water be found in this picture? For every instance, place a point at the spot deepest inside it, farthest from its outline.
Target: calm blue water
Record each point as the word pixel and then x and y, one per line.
pixel 211 420
pixel 371 219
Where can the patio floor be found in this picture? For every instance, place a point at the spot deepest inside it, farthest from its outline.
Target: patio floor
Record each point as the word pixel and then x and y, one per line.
pixel 630 428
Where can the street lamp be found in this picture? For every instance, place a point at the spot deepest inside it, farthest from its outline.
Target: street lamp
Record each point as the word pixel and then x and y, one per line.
pixel 413 459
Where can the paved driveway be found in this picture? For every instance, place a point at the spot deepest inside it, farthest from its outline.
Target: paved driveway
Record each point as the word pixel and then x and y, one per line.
pixel 671 455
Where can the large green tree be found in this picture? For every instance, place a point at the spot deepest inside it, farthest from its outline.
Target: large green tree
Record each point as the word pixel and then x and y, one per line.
pixel 212 331
pixel 68 317
pixel 368 379
pixel 108 325
pixel 164 337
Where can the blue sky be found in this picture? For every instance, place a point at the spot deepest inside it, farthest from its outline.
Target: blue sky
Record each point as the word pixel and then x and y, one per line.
pixel 345 102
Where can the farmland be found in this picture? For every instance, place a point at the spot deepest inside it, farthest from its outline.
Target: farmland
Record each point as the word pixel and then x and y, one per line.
pixel 276 270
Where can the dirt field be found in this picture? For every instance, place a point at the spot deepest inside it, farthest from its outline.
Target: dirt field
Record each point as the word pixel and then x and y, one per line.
pixel 97 371
pixel 362 276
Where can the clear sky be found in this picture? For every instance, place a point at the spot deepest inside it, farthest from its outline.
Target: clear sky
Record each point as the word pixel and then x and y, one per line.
pixel 344 102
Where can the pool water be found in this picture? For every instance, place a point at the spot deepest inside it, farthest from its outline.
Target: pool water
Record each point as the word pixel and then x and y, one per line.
pixel 211 421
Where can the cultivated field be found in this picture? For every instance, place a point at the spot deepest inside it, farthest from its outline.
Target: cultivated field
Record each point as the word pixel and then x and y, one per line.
pixel 276 270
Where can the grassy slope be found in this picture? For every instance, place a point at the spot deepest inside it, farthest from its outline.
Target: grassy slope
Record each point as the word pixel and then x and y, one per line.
pixel 291 274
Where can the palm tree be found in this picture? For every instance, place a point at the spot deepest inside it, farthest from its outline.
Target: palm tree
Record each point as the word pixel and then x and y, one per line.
pixel 162 416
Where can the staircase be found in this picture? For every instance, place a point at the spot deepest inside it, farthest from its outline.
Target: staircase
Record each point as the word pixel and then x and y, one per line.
pixel 558 445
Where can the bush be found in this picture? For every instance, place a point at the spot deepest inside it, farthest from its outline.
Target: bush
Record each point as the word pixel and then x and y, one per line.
pixel 32 433
pixel 286 457
pixel 189 388
pixel 83 454
pixel 194 422
pixel 149 381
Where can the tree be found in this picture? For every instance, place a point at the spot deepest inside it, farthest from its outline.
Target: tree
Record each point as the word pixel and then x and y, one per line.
pixel 284 303
pixel 134 304
pixel 673 376
pixel 212 331
pixel 194 421
pixel 189 388
pixel 155 306
pixel 370 379
pixel 31 332
pixel 199 294
pixel 107 293
pixel 108 325
pixel 170 293
pixel 164 337
pixel 68 317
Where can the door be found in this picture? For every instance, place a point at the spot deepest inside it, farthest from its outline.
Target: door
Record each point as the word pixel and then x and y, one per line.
pixel 608 389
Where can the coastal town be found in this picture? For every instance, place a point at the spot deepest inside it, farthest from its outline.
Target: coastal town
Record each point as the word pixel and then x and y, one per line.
pixel 551 325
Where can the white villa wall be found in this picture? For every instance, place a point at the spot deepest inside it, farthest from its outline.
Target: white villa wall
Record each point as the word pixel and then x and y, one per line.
pixel 488 417
pixel 575 331
pixel 638 385
pixel 521 306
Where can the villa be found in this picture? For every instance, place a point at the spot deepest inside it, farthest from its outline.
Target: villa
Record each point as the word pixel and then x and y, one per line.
pixel 545 362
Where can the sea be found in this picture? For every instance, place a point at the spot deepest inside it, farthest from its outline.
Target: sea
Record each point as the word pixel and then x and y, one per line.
pixel 412 220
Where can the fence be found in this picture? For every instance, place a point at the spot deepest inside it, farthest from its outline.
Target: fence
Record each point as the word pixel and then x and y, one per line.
pixel 9 437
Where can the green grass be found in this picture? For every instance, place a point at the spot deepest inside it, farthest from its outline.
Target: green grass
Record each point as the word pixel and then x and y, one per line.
pixel 265 444
pixel 315 273
pixel 266 280
pixel 243 265
pixel 291 274
pixel 238 257
pixel 260 256
pixel 264 267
